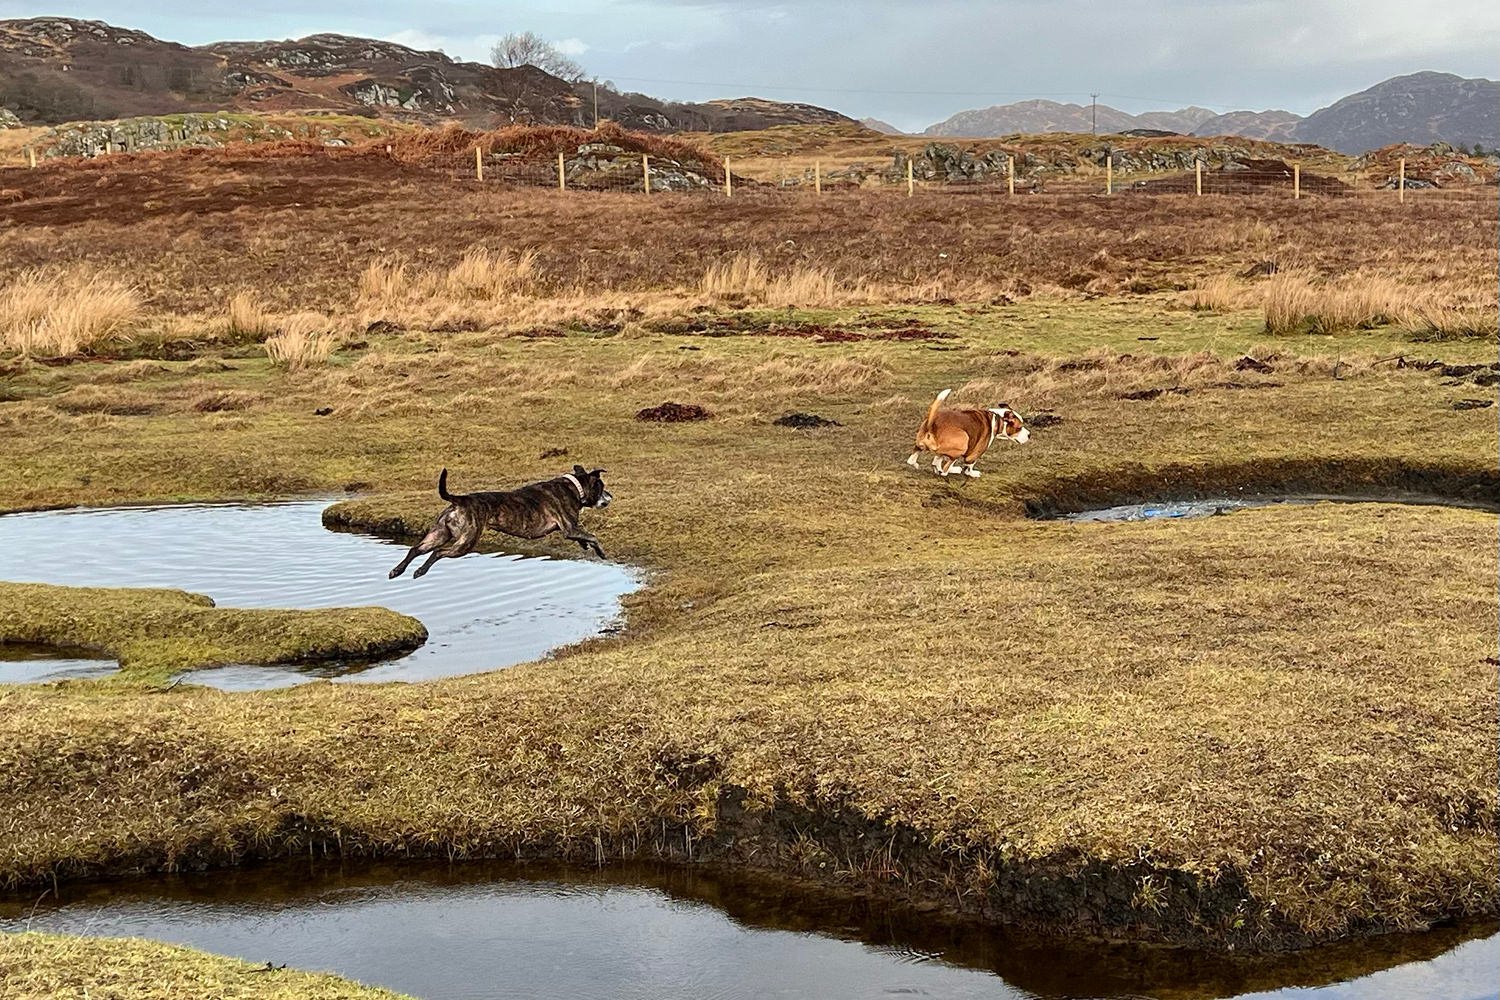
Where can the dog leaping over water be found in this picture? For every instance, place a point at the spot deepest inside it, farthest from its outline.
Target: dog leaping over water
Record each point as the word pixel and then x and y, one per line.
pixel 959 435
pixel 530 511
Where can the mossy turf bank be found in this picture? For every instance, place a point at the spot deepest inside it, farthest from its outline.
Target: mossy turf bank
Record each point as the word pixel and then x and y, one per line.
pixel 1259 730
pixel 44 966
pixel 156 633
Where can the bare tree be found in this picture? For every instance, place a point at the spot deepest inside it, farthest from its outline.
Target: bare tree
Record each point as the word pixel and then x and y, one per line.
pixel 527 48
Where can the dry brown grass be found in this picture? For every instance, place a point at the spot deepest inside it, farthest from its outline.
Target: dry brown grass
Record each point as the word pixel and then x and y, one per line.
pixel 746 278
pixel 1435 321
pixel 1296 301
pixel 247 320
pixel 302 340
pixel 300 230
pixel 61 311
pixel 1218 294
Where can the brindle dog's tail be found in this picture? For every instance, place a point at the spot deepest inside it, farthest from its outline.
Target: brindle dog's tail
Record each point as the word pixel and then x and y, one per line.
pixel 443 487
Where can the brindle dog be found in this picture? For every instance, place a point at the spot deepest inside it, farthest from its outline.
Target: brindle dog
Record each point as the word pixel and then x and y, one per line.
pixel 531 511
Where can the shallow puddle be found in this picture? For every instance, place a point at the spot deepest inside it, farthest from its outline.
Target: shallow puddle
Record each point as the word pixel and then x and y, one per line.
pixel 1172 509
pixel 493 930
pixel 24 663
pixel 482 612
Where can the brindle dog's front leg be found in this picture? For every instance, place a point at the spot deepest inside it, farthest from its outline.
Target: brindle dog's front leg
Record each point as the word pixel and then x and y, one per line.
pixel 585 540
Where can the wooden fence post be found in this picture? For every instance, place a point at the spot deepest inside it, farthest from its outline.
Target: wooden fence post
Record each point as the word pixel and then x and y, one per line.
pixel 728 180
pixel 817 177
pixel 31 155
pixel 1010 174
pixel 646 173
pixel 562 175
pixel 1198 178
pixel 478 164
pixel 1109 174
pixel 911 184
pixel 1296 181
pixel 1401 182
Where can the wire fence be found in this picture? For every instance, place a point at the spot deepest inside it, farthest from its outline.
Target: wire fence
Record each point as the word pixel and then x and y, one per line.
pixel 946 170
pixel 635 172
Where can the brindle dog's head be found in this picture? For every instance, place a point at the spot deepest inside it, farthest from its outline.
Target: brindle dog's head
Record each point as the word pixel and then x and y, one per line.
pixel 594 493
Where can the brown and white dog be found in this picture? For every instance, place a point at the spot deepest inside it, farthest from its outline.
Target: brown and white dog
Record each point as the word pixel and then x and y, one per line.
pixel 960 435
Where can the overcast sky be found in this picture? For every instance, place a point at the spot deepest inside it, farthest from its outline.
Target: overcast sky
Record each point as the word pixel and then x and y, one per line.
pixel 910 63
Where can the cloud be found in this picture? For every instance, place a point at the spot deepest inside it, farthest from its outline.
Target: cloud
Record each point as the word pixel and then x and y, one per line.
pixel 571 46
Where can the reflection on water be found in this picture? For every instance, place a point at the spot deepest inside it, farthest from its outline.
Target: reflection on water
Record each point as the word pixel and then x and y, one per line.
pixel 482 612
pixel 24 663
pixel 496 930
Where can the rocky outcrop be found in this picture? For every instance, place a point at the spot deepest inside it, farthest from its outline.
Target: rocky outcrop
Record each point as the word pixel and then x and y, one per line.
pixel 89 139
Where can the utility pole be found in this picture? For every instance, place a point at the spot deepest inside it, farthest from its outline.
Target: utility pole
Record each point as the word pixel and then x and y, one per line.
pixel 1094 113
pixel 596 105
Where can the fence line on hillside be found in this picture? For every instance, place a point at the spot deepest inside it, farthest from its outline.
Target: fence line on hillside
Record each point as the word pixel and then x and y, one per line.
pixel 628 171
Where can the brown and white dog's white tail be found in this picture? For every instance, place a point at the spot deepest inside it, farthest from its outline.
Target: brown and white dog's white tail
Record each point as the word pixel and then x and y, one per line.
pixel 924 439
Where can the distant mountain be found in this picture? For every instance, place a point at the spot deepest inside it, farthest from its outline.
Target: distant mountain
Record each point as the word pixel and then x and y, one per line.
pixel 1277 126
pixel 1419 108
pixel 57 69
pixel 879 126
pixel 1051 116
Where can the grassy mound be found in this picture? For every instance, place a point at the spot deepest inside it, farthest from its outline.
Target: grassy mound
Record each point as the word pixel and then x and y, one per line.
pixel 36 966
pixel 155 633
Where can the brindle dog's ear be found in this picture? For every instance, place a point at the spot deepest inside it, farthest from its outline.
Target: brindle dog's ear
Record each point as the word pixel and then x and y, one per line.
pixel 578 470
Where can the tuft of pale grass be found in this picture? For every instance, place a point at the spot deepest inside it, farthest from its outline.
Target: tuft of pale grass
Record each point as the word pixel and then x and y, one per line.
pixel 745 277
pixel 1296 302
pixel 60 312
pixel 1446 322
pixel 486 275
pixel 248 320
pixel 1217 294
pixel 304 340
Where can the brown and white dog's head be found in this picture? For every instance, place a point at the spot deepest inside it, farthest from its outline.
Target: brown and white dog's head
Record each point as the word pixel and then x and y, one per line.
pixel 1007 424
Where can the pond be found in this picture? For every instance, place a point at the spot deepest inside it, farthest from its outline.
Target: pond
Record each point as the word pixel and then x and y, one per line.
pixel 482 612
pixel 1173 509
pixel 454 932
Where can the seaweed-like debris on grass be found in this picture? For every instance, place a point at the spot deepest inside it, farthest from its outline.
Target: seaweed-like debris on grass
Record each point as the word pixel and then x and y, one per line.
pixel 804 421
pixel 673 413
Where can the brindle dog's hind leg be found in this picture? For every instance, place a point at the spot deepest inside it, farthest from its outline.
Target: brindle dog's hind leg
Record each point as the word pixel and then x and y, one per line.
pixel 436 538
pixel 585 540
pixel 467 541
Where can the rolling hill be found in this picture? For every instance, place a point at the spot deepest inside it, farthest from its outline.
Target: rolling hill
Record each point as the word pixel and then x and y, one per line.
pixel 57 69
